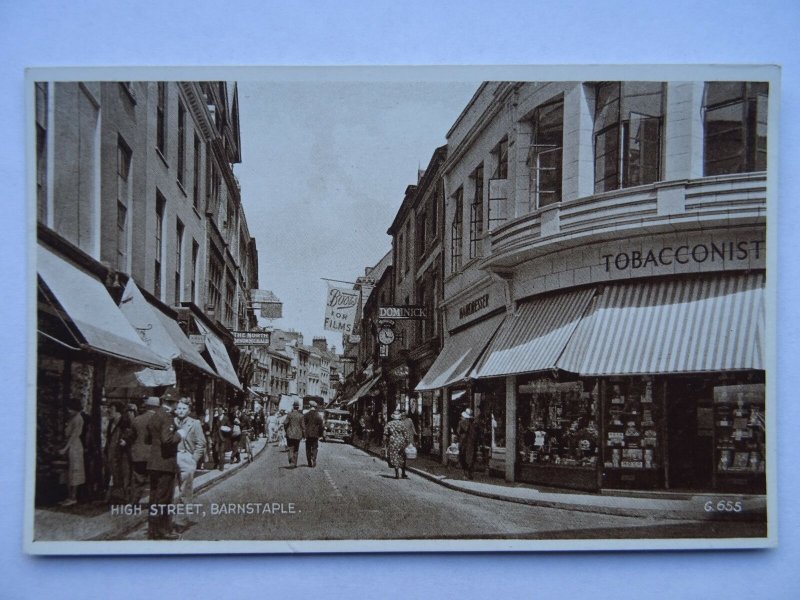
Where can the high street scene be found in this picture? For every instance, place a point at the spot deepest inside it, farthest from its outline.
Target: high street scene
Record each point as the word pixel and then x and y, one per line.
pixel 281 310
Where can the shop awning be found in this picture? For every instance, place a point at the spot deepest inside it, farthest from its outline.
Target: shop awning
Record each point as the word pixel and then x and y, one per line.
pixel 535 336
pixel 364 390
pixel 90 307
pixel 161 334
pixel 702 324
pixel 459 355
pixel 219 355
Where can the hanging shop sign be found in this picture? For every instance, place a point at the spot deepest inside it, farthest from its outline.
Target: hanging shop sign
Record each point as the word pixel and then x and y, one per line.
pixel 340 310
pixel 412 312
pixel 198 341
pixel 251 338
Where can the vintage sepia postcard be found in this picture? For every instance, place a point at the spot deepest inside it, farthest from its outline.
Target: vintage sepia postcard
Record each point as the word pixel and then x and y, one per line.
pixel 385 309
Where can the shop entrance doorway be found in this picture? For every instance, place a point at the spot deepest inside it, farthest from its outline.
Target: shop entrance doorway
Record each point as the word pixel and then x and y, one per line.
pixel 690 434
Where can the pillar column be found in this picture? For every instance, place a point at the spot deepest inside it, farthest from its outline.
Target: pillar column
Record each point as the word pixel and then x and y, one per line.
pixel 445 424
pixel 511 427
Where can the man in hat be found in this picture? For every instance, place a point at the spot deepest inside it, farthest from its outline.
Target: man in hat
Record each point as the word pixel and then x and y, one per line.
pixel 467 442
pixel 140 448
pixel 314 427
pixel 162 465
pixel 295 431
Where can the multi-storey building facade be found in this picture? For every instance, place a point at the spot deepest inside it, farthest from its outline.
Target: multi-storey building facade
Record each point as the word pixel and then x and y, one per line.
pixel 605 248
pixel 124 191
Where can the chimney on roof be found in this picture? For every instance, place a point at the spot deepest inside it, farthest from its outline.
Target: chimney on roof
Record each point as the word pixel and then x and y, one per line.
pixel 320 343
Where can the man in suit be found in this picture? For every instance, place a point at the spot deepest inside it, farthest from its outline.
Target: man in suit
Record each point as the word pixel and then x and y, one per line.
pixel 295 431
pixel 313 427
pixel 140 448
pixel 190 452
pixel 164 437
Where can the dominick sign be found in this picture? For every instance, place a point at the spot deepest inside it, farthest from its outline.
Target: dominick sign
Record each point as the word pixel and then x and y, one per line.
pixel 402 312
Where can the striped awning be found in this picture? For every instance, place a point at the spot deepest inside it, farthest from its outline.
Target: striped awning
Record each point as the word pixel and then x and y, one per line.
pixel 364 390
pixel 534 338
pixel 460 353
pixel 701 324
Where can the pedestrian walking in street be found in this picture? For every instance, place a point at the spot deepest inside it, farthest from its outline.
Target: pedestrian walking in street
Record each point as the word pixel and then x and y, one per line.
pixel 164 437
pixel 221 433
pixel 282 444
pixel 73 450
pixel 408 422
pixel 395 439
pixel 294 433
pixel 313 427
pixel 468 440
pixel 140 449
pixel 190 452
pixel 118 437
pixel 272 428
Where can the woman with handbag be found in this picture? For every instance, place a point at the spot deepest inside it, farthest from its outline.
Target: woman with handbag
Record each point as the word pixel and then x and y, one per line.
pixel 396 439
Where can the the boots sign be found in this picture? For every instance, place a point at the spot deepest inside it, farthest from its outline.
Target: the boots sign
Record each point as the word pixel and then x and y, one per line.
pixel 340 312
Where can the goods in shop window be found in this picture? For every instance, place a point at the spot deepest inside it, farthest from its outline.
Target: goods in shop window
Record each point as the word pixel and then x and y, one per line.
pixel 631 430
pixel 648 458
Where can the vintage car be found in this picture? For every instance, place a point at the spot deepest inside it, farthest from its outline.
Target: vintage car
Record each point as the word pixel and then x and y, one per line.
pixel 337 425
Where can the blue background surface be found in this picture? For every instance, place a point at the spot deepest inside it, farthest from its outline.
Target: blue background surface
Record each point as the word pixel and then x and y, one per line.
pixel 198 33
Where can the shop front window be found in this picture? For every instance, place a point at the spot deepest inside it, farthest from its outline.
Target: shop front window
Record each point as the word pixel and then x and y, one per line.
pixel 557 423
pixel 632 428
pixel 739 433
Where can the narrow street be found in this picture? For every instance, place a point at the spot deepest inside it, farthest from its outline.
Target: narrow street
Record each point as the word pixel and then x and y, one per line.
pixel 353 495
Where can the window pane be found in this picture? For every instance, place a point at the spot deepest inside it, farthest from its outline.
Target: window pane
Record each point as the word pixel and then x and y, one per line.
pixel 606 160
pixel 725 139
pixel 718 92
pixel 642 150
pixel 606 105
pixel 760 161
pixel 643 98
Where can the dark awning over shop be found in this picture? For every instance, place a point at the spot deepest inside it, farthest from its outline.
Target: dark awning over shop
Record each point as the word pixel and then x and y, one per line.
pixel 90 307
pixel 459 355
pixel 703 324
pixel 535 336
pixel 364 390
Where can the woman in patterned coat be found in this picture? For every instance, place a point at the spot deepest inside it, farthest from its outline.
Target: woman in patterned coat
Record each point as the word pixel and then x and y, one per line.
pixel 395 438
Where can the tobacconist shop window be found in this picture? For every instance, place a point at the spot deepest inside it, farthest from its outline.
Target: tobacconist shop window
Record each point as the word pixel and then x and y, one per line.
pixel 735 127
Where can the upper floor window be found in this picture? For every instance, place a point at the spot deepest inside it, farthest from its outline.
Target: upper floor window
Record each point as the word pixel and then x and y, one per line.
pixel 406 258
pixel 181 144
pixel 627 134
pixel 422 233
pixel 500 154
pixel 476 214
pixel 735 127
pixel 545 156
pixel 434 211
pixel 193 274
pixel 457 232
pixel 400 255
pixel 159 235
pixel 196 181
pixel 178 262
pixel 123 203
pixel 41 150
pixel 161 118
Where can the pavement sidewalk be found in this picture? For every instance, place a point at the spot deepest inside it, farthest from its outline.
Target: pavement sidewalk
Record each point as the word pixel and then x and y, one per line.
pixel 655 505
pixel 96 522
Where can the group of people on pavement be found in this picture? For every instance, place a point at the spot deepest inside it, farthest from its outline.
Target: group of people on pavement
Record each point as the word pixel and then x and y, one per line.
pixel 159 448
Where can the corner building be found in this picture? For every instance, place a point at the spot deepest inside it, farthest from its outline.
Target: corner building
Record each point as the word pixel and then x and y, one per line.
pixel 604 293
